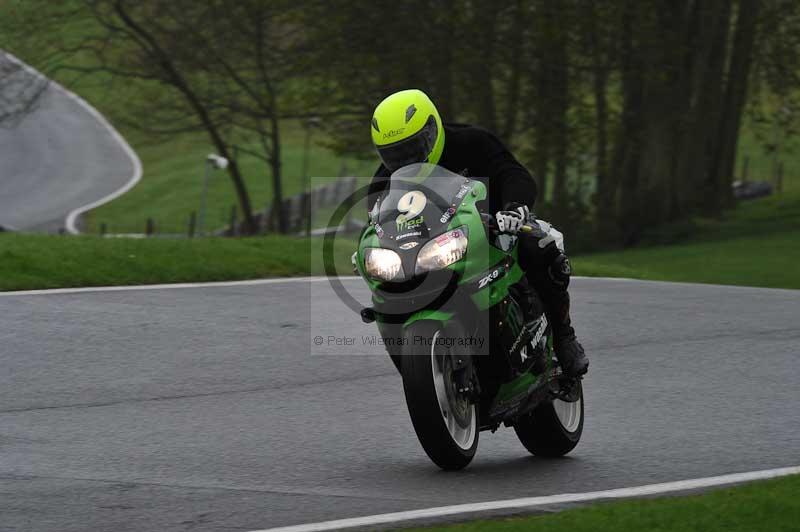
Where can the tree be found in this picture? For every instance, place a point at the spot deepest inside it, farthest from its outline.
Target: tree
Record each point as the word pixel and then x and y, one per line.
pixel 228 70
pixel 648 94
pixel 21 89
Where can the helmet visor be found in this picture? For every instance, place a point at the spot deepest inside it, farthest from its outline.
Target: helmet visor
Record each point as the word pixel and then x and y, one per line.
pixel 414 149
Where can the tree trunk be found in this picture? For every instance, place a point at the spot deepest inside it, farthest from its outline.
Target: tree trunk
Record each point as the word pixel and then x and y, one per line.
pixel 163 58
pixel 605 189
pixel 628 145
pixel 484 25
pixel 557 61
pixel 513 89
pixel 709 44
pixel 277 177
pixel 735 95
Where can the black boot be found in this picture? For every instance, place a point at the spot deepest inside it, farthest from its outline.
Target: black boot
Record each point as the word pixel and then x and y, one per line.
pixel 549 271
pixel 569 351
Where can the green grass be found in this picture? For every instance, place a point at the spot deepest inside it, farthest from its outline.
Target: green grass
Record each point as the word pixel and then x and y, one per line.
pixel 173 172
pixel 757 244
pixel 47 261
pixel 769 506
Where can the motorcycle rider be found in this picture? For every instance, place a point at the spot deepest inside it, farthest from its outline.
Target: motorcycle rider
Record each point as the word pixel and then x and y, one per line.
pixel 406 129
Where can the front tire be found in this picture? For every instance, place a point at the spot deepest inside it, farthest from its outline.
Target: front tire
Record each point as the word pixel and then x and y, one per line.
pixel 446 423
pixel 554 428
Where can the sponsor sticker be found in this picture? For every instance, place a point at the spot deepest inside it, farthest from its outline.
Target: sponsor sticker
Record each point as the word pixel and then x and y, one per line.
pixel 393 133
pixel 379 230
pixel 446 237
pixel 408 245
pixel 491 277
pixel 407 235
pixel 463 191
pixel 446 215
pixel 403 224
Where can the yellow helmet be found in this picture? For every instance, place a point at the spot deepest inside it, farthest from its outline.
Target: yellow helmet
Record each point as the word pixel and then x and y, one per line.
pixel 407 129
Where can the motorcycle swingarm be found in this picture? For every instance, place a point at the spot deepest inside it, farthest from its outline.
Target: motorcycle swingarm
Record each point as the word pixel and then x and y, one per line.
pixel 555 387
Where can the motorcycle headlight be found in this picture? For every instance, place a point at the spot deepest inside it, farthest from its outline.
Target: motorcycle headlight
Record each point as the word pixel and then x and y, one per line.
pixel 383 264
pixel 442 251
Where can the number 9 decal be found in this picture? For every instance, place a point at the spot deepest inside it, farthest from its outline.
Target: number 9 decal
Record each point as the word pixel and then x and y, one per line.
pixel 411 204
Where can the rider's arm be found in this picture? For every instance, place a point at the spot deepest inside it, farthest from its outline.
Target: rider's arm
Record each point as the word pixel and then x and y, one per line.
pixel 508 178
pixel 376 186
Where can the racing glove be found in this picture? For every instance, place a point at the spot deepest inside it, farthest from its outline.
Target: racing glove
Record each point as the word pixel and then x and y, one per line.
pixel 511 221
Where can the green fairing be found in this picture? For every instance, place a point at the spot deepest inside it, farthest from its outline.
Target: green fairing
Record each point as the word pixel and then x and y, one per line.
pixel 516 388
pixel 480 257
pixel 520 386
pixel 429 314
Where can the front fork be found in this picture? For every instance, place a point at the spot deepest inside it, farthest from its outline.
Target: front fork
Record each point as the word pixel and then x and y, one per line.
pixel 464 377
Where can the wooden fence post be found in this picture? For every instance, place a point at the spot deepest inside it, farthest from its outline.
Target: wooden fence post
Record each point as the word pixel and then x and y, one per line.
pixel 294 216
pixel 306 209
pixel 192 223
pixel 350 190
pixel 149 227
pixel 234 229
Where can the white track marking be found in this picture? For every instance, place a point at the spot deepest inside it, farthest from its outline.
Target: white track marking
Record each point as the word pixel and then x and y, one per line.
pixel 127 288
pixel 533 502
pixel 72 217
pixel 312 279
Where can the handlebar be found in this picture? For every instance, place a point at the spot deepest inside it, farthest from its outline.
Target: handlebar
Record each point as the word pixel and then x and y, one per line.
pixel 491 223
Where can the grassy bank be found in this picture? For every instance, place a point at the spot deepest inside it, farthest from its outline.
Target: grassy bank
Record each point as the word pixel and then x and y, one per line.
pixel 173 173
pixel 770 506
pixel 43 261
pixel 756 245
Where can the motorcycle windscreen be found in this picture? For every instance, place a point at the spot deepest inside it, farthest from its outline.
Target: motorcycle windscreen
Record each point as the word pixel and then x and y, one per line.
pixel 418 204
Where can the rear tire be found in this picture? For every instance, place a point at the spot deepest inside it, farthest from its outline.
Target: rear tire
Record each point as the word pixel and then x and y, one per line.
pixel 446 425
pixel 553 429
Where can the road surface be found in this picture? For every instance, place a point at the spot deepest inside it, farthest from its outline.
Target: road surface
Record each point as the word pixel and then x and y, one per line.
pixel 205 409
pixel 62 157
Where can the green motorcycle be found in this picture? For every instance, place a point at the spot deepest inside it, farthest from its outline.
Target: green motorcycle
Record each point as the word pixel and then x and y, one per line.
pixel 461 324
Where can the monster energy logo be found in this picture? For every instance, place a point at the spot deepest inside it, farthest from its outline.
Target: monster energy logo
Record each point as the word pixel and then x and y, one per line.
pixel 542 322
pixel 404 225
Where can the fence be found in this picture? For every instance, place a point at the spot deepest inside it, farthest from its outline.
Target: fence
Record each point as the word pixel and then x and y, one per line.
pixel 299 211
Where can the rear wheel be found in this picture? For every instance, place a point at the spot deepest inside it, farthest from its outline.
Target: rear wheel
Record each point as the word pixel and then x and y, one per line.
pixel 445 421
pixel 553 428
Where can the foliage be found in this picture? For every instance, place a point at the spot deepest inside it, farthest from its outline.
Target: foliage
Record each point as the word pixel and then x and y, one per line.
pixel 627 112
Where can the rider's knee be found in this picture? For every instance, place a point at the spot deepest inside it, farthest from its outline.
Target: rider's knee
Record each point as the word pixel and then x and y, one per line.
pixel 560 271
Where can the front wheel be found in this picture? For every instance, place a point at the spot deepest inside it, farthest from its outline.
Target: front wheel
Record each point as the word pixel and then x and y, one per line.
pixel 445 421
pixel 553 428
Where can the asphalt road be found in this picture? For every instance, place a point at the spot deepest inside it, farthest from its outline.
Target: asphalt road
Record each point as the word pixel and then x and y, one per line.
pixel 60 158
pixel 204 409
